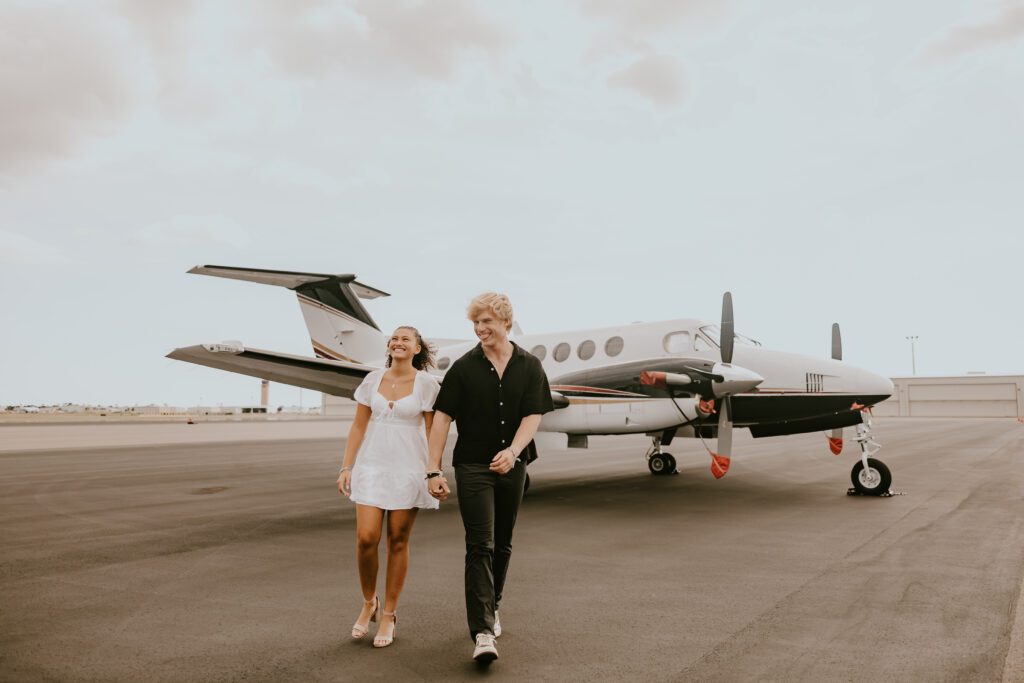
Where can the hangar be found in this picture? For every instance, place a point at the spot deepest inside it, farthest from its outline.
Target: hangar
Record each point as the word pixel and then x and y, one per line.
pixel 955 396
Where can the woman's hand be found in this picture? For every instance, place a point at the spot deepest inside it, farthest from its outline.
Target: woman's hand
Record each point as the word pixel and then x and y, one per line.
pixel 345 482
pixel 438 487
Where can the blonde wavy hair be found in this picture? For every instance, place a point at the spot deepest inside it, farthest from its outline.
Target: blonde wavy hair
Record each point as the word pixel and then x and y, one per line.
pixel 491 301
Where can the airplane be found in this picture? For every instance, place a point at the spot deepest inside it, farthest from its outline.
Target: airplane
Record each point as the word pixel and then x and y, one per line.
pixel 674 378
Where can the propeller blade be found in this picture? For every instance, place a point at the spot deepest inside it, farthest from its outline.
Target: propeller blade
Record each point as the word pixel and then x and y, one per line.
pixel 835 441
pixel 728 328
pixel 720 460
pixel 837 343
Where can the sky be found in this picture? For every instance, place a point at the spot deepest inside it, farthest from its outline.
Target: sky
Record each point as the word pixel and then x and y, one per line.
pixel 600 162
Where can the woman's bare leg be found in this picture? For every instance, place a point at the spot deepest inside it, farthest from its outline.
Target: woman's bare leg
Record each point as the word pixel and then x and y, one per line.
pixel 369 521
pixel 399 529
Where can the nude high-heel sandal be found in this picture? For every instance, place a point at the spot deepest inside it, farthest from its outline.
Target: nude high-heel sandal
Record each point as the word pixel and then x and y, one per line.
pixel 360 630
pixel 384 641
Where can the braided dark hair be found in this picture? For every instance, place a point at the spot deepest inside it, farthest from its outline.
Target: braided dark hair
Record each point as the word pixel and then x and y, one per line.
pixel 423 360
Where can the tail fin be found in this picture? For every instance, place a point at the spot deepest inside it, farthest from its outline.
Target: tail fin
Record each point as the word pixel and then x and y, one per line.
pixel 339 327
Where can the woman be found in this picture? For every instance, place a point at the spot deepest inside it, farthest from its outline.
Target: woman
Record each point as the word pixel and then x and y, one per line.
pixel 385 459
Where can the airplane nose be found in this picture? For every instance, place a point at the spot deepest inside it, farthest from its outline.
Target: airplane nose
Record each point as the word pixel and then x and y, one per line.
pixel 875 385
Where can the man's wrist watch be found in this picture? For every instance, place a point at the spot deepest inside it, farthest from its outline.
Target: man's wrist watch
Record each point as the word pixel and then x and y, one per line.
pixel 435 473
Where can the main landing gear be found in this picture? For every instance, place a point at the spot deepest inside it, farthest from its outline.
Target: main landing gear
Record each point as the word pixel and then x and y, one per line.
pixel 870 477
pixel 659 462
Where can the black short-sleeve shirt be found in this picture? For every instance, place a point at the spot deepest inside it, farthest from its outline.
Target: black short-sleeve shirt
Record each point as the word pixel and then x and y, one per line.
pixel 488 410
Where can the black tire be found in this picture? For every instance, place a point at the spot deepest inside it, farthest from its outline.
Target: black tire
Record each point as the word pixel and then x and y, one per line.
pixel 670 463
pixel 875 481
pixel 657 464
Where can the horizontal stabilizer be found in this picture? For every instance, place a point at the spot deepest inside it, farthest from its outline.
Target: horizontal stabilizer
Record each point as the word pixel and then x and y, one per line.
pixel 333 377
pixel 287 278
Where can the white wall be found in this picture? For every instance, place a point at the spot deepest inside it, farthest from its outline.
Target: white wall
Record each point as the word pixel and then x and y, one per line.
pixel 965 396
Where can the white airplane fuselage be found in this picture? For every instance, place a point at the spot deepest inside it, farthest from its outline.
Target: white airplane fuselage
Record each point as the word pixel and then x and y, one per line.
pixel 590 411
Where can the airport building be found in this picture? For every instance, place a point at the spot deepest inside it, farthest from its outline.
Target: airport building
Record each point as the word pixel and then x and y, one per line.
pixel 959 396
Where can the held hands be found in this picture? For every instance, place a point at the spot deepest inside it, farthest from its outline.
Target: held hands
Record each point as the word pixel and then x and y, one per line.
pixel 438 487
pixel 504 461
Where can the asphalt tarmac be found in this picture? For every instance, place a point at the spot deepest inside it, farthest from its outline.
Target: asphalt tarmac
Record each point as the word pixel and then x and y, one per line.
pixel 235 560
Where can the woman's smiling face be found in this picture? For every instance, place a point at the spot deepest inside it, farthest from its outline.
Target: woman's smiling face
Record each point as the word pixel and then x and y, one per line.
pixel 403 345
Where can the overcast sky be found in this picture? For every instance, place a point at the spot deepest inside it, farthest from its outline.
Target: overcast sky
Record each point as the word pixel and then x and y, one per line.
pixel 601 162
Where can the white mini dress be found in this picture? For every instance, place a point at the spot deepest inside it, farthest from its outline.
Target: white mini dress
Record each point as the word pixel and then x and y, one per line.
pixel 392 460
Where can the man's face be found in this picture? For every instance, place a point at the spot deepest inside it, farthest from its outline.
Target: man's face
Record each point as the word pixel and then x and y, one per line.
pixel 490 329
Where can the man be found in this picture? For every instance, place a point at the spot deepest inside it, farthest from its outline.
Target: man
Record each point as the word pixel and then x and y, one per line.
pixel 496 393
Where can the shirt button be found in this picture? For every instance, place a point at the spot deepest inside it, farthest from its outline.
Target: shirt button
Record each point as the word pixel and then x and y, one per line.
pixel 500 403
pixel 502 422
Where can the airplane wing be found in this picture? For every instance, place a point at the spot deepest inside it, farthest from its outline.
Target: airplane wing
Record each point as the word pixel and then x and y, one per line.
pixel 333 377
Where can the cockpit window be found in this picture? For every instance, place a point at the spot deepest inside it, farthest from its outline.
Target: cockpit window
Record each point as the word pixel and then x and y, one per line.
pixel 714 333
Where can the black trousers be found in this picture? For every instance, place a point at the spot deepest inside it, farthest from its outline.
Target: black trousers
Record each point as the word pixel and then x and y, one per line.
pixel 489 503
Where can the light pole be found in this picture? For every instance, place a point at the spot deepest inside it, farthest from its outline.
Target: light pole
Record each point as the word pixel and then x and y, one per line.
pixel 913 363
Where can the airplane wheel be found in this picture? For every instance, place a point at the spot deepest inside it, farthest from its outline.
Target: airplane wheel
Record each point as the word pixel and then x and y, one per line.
pixel 659 464
pixel 670 463
pixel 873 481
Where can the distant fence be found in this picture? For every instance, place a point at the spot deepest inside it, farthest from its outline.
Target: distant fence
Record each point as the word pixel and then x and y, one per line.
pixel 963 396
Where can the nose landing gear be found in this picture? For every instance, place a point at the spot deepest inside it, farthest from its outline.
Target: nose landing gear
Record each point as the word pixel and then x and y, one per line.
pixel 870 477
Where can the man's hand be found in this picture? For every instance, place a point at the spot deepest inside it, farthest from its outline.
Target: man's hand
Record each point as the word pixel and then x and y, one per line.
pixel 504 461
pixel 438 487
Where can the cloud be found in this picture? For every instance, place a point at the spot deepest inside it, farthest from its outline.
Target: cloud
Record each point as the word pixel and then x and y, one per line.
pixel 1005 28
pixel 633 30
pixel 657 77
pixel 187 231
pixel 168 30
pixel 62 83
pixel 427 39
pixel 19 250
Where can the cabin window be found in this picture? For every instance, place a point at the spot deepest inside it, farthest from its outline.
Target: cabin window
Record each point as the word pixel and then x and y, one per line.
pixel 677 342
pixel 586 350
pixel 613 346
pixel 539 351
pixel 561 352
pixel 444 363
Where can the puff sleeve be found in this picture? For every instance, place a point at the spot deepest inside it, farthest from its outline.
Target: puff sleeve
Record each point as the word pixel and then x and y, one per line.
pixel 429 389
pixel 364 392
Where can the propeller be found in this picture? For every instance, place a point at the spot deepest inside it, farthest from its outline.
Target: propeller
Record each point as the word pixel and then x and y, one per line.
pixel 720 460
pixel 728 328
pixel 835 441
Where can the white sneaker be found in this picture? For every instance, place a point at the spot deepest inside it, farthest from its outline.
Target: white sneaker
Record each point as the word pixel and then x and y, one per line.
pixel 497 624
pixel 485 651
